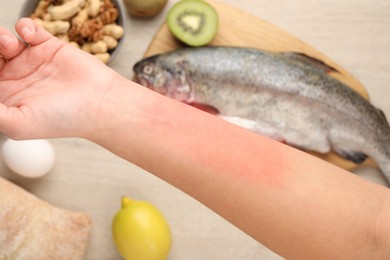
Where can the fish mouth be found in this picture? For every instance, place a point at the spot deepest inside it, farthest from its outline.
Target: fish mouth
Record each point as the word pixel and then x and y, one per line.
pixel 144 81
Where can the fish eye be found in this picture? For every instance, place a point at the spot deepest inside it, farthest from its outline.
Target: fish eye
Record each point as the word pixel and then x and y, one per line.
pixel 148 69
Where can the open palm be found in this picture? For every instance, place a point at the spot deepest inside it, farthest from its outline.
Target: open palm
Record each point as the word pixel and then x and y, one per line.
pixel 48 88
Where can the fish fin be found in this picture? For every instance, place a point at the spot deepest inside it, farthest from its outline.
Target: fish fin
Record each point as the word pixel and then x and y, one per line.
pixel 308 60
pixel 354 156
pixel 204 107
pixel 258 127
pixel 385 168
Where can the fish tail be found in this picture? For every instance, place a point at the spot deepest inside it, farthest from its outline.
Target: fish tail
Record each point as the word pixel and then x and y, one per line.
pixel 354 156
pixel 382 159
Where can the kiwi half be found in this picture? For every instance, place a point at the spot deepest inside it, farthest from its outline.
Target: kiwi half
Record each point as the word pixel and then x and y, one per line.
pixel 193 22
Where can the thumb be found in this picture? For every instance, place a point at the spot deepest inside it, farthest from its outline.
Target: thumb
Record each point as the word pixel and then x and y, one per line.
pixel 31 32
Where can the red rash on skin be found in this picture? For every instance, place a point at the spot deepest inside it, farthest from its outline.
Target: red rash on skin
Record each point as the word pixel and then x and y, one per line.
pixel 213 147
pixel 269 164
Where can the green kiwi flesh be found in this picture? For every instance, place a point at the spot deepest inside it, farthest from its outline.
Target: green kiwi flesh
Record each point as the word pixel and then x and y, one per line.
pixel 193 22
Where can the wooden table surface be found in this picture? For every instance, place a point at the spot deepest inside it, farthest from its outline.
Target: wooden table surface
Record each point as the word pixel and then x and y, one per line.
pixel 353 33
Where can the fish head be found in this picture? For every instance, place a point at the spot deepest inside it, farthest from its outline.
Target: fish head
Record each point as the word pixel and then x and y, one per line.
pixel 165 76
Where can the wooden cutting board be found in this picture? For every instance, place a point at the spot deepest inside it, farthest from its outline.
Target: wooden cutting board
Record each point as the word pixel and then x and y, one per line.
pixel 242 29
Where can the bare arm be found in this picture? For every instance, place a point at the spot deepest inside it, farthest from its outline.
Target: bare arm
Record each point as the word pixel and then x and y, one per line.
pixel 293 203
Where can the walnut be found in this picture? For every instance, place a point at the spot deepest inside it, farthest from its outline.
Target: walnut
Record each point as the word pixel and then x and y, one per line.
pixel 90 27
pixel 93 30
pixel 106 5
pixel 90 31
pixel 109 15
pixel 56 2
pixel 92 24
pixel 74 35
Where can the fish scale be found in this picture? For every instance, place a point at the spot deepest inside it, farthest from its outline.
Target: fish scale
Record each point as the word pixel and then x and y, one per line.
pixel 286 96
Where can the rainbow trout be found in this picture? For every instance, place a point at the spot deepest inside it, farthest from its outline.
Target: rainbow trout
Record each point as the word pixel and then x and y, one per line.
pixel 286 96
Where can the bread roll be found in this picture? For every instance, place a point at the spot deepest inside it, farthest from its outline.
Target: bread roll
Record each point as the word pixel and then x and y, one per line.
pixel 31 228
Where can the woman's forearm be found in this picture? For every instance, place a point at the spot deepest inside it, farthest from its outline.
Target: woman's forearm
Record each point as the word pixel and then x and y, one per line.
pixel 295 204
pixel 291 202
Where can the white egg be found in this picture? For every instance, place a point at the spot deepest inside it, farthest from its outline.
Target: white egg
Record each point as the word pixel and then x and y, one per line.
pixel 29 158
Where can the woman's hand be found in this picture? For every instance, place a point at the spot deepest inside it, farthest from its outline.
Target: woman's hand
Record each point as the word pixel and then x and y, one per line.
pixel 47 87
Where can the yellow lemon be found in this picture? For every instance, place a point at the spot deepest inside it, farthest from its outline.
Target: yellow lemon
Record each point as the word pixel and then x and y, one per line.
pixel 140 231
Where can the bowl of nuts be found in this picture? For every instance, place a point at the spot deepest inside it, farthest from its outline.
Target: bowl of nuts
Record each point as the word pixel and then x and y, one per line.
pixel 95 26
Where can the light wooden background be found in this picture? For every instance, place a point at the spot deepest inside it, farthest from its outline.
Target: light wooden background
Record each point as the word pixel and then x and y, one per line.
pixel 353 33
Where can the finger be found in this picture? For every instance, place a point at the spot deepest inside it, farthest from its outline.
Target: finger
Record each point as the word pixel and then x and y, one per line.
pixel 31 32
pixel 10 46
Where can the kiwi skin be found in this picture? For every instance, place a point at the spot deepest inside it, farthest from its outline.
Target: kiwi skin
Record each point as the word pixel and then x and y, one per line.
pixel 194 22
pixel 144 8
